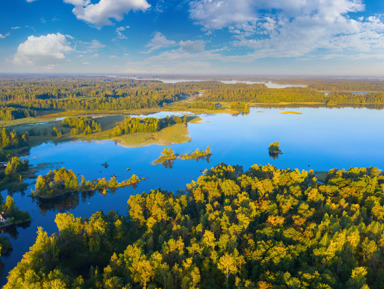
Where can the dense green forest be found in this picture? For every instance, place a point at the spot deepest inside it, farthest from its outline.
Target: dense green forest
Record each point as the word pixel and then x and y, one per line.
pixel 263 95
pixel 263 228
pixel 92 93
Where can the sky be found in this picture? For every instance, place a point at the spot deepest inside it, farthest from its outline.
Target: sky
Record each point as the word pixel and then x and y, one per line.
pixel 229 37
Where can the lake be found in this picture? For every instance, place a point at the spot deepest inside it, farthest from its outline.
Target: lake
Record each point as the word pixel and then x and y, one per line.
pixel 318 139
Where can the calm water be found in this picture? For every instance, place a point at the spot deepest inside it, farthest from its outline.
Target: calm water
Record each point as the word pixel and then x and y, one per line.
pixel 318 139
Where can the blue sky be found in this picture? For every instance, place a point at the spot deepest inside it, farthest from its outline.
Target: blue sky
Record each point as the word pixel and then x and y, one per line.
pixel 257 37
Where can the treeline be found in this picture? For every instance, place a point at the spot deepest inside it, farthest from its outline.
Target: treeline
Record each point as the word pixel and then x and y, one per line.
pixel 258 94
pixel 346 85
pixel 348 98
pixel 13 139
pixel 100 94
pixel 82 124
pixel 265 228
pixel 149 124
pixel 11 113
pixel 45 87
pixel 133 101
pixel 203 105
pixel 289 95
pixel 62 181
pixel 34 94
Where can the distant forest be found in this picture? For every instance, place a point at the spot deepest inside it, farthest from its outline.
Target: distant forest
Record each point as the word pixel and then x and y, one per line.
pixel 27 97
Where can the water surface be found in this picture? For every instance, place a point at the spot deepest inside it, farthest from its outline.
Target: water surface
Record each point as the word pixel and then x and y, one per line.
pixel 318 139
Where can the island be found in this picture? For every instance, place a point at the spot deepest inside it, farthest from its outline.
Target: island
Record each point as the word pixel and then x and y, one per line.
pixel 274 150
pixel 168 155
pixel 12 174
pixel 291 112
pixel 10 214
pixel 63 181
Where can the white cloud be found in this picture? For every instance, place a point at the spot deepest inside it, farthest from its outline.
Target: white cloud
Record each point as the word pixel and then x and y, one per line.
pixel 2 36
pixel 292 28
pixel 29 1
pixel 159 41
pixel 78 2
pixel 44 51
pixel 217 14
pixel 15 28
pixel 120 30
pixel 99 14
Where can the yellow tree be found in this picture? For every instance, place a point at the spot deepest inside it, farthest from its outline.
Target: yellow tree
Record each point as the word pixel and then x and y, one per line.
pixel 228 265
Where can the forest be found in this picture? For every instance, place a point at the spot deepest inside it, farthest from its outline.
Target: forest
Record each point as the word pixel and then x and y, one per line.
pixel 262 228
pixel 257 95
pixel 33 96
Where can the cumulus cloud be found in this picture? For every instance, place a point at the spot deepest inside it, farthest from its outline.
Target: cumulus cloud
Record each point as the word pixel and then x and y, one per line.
pixel 44 51
pixel 100 13
pixel 291 28
pixel 29 1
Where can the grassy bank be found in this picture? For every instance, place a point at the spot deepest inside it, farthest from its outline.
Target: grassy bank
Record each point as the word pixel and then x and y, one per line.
pixel 175 134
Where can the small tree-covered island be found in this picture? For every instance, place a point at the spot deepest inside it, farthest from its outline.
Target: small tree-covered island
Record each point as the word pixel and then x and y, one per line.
pixel 10 214
pixel 62 181
pixel 274 150
pixel 263 228
pixel 169 155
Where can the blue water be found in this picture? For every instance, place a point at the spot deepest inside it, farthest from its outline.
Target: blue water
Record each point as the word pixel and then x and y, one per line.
pixel 318 139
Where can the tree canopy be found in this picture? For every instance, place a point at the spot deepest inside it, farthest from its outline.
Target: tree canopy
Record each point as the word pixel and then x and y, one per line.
pixel 263 228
